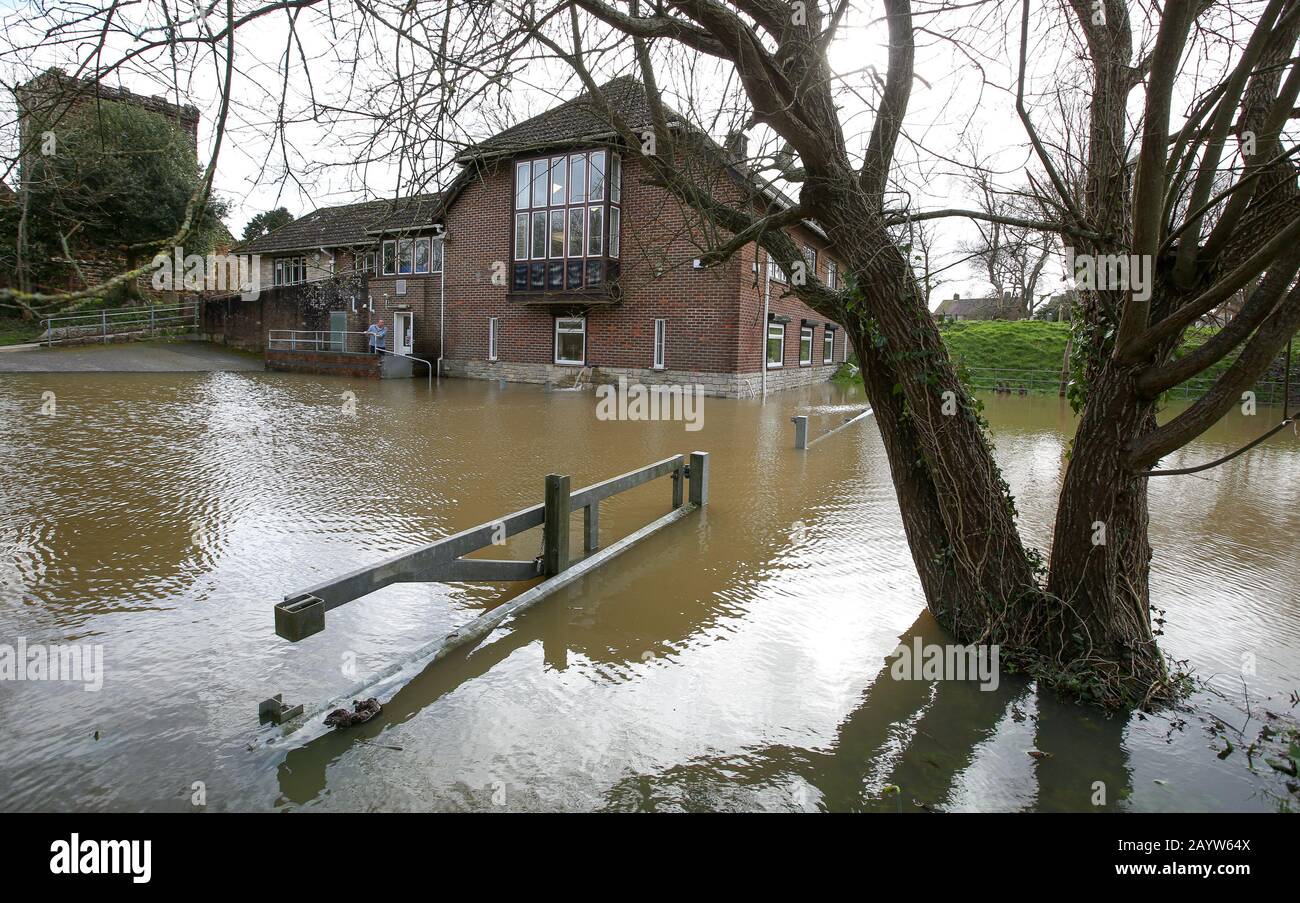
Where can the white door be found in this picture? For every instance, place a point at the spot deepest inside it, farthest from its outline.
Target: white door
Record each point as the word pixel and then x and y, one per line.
pixel 403 332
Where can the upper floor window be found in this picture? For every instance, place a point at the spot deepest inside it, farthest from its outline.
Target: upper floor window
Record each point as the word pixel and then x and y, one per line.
pixel 290 270
pixel 411 256
pixel 567 221
pixel 832 274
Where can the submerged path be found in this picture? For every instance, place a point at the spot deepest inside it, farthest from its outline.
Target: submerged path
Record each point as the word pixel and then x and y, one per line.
pixel 129 357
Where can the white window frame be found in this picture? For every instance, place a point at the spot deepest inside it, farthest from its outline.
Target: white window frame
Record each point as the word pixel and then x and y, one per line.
pixel 812 335
pixel 832 274
pixel 384 258
pixel 582 332
pixel 774 270
pixel 492 338
pixel 828 346
pixel 780 362
pixel 660 344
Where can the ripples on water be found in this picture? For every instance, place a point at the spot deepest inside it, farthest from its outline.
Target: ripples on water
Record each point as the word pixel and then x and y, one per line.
pixel 736 660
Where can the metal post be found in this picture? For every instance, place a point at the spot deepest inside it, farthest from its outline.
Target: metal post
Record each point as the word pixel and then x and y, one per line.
pixel 591 527
pixel 699 478
pixel 677 488
pixel 555 527
pixel 103 319
pixel 800 431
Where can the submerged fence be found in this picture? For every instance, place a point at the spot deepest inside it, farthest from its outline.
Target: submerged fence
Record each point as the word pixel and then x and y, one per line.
pixel 1042 382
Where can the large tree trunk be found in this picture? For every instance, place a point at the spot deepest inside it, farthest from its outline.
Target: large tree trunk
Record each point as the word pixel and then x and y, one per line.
pixel 1101 554
pixel 980 583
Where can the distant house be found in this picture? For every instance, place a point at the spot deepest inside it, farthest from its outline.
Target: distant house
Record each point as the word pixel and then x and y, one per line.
pixel 990 308
pixel 551 251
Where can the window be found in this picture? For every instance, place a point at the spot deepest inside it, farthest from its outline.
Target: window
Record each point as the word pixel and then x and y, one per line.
pixel 565 213
pixel 570 340
pixel 422 255
pixel 492 338
pixel 775 345
pixel 832 274
pixel 577 218
pixel 557 233
pixel 596 179
pixel 810 258
pixel 521 236
pixel 523 179
pixel 661 336
pixel 364 263
pixel 577 179
pixel 805 345
pixel 828 346
pixel 595 230
pixel 290 271
pixel 435 255
pixel 390 258
pixel 559 168
pixel 405 256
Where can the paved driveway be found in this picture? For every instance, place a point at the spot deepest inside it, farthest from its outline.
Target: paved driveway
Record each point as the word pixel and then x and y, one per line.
pixel 129 357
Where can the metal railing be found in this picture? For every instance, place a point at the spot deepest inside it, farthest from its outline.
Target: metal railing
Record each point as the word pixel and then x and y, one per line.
pixel 1049 381
pixel 338 341
pixel 120 321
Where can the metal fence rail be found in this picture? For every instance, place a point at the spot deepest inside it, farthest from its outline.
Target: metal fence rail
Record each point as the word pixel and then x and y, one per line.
pixel 1049 381
pixel 119 321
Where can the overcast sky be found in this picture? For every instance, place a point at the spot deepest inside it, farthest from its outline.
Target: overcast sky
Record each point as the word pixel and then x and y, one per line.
pixel 961 99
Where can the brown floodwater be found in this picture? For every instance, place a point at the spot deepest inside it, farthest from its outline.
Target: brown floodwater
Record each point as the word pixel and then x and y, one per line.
pixel 736 660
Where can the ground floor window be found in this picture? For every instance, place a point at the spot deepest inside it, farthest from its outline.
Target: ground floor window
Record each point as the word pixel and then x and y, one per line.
pixel 492 338
pixel 775 345
pixel 828 346
pixel 661 338
pixel 805 345
pixel 570 340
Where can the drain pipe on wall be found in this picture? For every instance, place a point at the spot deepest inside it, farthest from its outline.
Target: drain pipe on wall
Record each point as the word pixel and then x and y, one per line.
pixel 767 296
pixel 442 299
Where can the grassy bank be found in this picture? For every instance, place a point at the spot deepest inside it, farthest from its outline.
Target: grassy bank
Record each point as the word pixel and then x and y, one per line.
pixel 15 331
pixel 1007 344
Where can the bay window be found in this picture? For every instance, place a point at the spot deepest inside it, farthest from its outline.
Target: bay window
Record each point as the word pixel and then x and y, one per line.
pixel 566 225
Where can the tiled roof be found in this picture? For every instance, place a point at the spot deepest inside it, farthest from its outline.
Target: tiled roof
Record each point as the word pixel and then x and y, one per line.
pixel 992 308
pixel 582 118
pixel 348 225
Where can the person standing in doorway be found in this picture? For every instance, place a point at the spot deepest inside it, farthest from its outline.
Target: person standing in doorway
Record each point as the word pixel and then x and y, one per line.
pixel 377 333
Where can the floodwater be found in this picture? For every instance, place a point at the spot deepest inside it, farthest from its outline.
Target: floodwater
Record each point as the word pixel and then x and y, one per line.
pixel 736 660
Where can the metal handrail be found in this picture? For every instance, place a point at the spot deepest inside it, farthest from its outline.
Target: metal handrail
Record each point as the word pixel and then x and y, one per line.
pixel 313 340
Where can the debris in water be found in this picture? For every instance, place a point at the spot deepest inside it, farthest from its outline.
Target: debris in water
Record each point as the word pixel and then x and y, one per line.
pixel 362 711
pixel 1038 754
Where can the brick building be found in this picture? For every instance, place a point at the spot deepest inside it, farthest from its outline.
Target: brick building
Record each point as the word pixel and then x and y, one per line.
pixel 551 255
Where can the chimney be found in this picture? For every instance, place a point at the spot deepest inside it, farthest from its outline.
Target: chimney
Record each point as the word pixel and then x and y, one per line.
pixel 737 146
pixel 956 296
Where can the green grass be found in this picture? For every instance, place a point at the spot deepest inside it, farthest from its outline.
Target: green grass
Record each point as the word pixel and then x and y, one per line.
pixel 1007 344
pixel 15 331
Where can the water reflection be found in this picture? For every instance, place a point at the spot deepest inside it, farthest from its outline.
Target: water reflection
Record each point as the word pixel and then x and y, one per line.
pixel 737 660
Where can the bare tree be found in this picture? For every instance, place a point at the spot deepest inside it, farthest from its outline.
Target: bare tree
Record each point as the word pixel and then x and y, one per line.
pixel 1147 198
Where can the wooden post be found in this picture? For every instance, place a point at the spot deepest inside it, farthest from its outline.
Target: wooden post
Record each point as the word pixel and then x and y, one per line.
pixel 591 527
pixel 677 487
pixel 800 431
pixel 699 478
pixel 555 527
